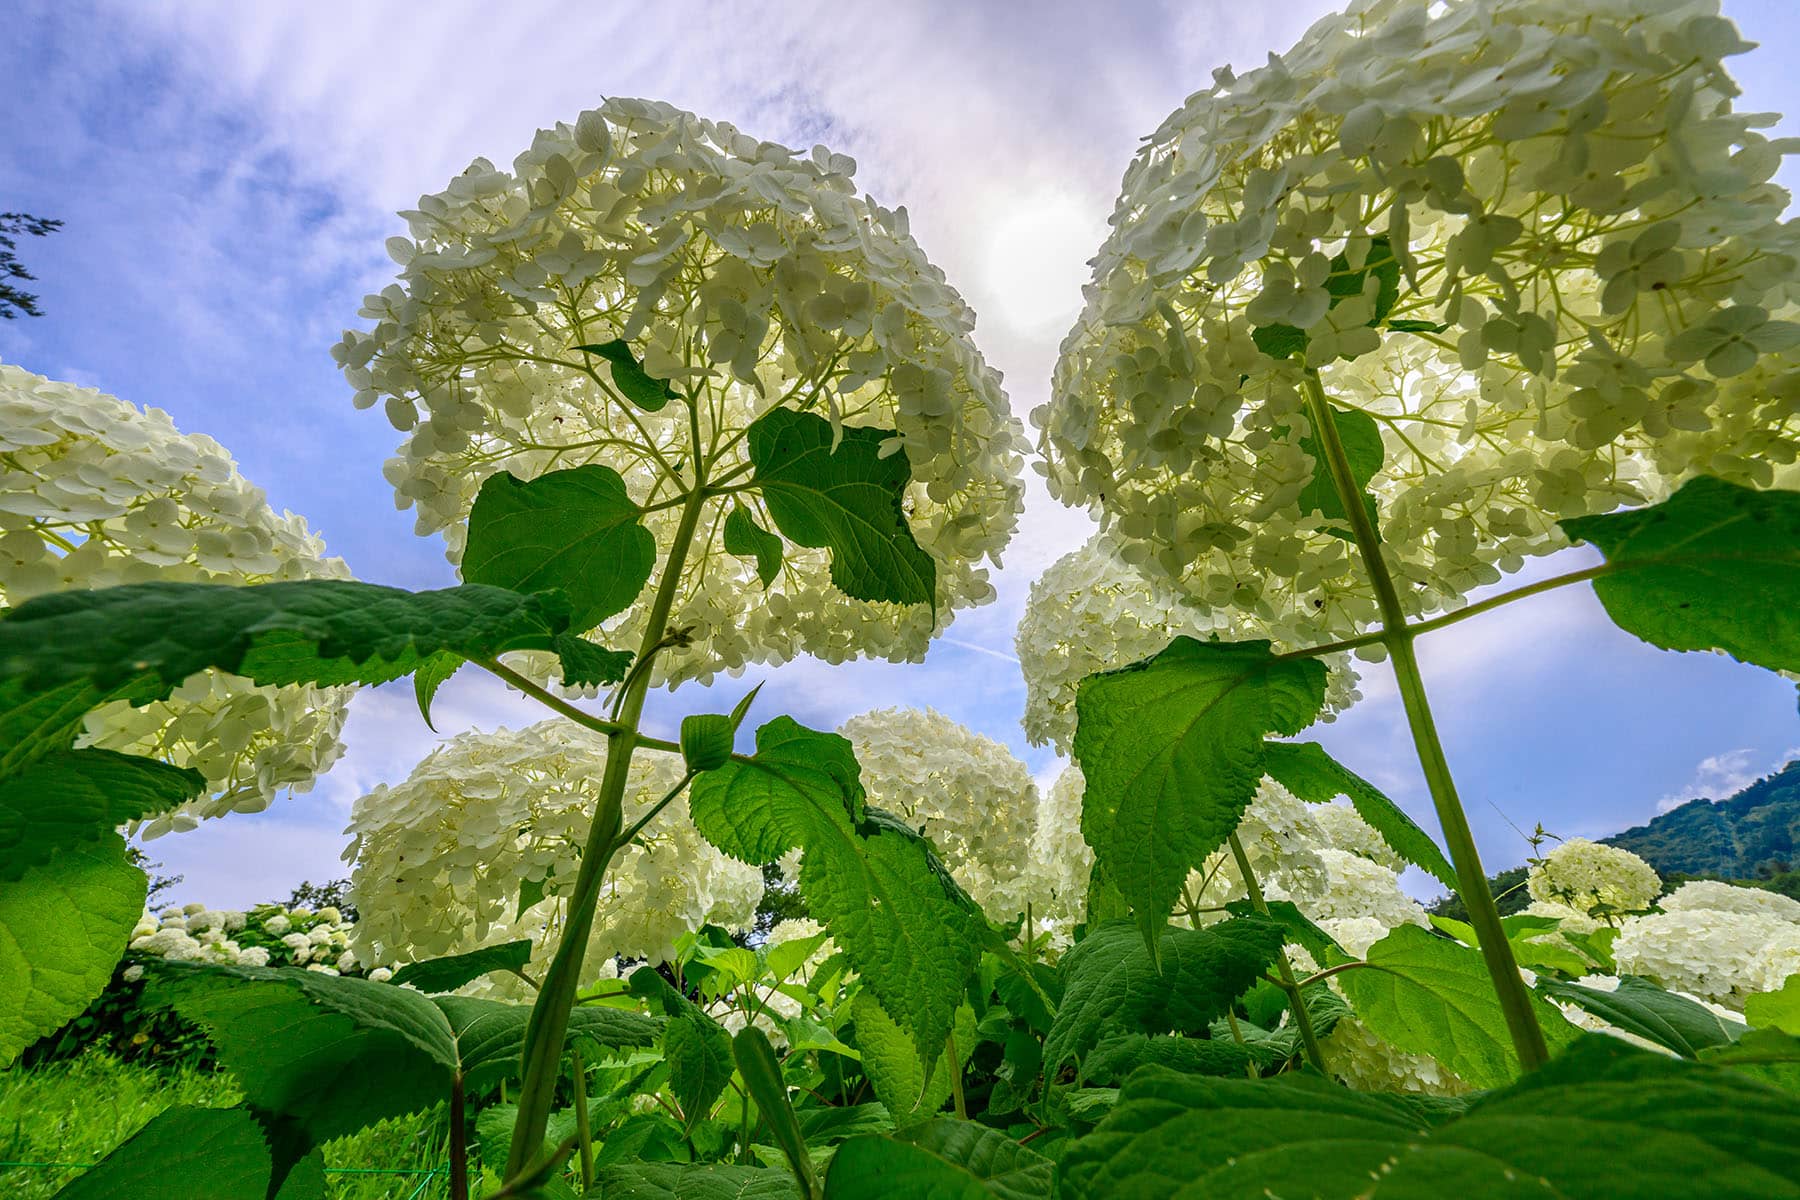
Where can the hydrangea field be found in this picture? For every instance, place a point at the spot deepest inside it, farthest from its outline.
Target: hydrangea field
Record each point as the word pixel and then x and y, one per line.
pixel 1447 287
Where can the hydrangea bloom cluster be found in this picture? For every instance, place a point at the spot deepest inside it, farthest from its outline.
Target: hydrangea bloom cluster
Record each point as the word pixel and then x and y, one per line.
pixel 1061 860
pixel 747 275
pixel 268 935
pixel 1714 943
pixel 1586 876
pixel 440 859
pixel 1530 242
pixel 967 793
pixel 95 492
pixel 1092 611
pixel 1366 1061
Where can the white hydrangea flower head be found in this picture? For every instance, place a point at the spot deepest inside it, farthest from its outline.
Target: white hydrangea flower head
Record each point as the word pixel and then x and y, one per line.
pixel 1344 830
pixel 746 274
pixel 967 793
pixel 1590 253
pixel 1586 875
pixel 1283 844
pixel 1716 896
pixel 1368 1062
pixel 1354 934
pixel 1722 956
pixel 439 859
pixel 1061 861
pixel 1359 888
pixel 1092 611
pixel 95 493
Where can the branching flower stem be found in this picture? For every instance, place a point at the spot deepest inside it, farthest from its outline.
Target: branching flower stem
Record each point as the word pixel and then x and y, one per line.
pixel 549 1021
pixel 1315 1054
pixel 1397 636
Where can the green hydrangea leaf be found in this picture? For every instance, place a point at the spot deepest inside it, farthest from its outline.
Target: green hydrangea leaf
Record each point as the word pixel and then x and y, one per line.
pixel 746 539
pixel 1777 1009
pixel 1429 995
pixel 848 500
pixel 698 1048
pixel 1713 567
pixel 63 927
pixel 760 1070
pixel 1279 341
pixel 151 636
pixel 1113 984
pixel 455 970
pixel 433 674
pixel 629 376
pixel 34 724
pixel 1639 1006
pixel 706 740
pixel 72 797
pixel 824 1126
pixel 1297 926
pixel 1173 751
pixel 1304 769
pixel 1362 445
pixel 180 1154
pixel 575 530
pixel 1603 1121
pixel 694 1181
pixel 490 1034
pixel 1766 1054
pixel 1116 1056
pixel 589 664
pixel 911 1087
pixel 945 1159
pixel 901 922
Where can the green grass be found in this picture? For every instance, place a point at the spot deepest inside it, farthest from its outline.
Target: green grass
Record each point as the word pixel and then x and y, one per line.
pixel 77 1111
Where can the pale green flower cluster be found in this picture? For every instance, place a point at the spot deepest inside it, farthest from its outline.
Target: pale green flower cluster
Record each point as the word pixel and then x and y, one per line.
pixel 1588 876
pixel 1363 1059
pixel 95 492
pixel 967 793
pixel 268 935
pixel 1061 860
pixel 1714 940
pixel 1592 300
pixel 746 274
pixel 1092 611
pixel 479 843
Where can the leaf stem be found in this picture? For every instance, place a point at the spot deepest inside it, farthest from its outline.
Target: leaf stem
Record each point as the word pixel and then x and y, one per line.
pixel 459 1141
pixel 956 1083
pixel 1296 1002
pixel 1237 1035
pixel 637 826
pixel 1515 1000
pixel 583 1129
pixel 562 707
pixel 549 1021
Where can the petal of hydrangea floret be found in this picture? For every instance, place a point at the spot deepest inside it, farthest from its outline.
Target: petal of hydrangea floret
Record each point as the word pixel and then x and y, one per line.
pixel 95 492
pixel 967 793
pixel 1586 876
pixel 1563 280
pixel 439 860
pixel 1092 611
pixel 746 275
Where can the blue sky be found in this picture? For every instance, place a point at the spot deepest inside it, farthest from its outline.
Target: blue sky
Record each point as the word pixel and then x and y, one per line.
pixel 228 173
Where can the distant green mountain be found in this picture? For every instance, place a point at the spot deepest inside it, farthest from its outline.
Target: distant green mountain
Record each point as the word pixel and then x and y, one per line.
pixel 1754 833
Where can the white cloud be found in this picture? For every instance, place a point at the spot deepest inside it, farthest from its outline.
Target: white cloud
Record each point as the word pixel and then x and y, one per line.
pixel 1721 776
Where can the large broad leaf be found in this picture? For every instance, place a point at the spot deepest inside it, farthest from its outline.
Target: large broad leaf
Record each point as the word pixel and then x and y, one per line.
pixel 694 1181
pixel 746 539
pixel 1304 769
pixel 329 631
pixel 1118 1055
pixel 1777 1009
pixel 1639 1006
pixel 850 501
pixel 453 971
pixel 577 530
pixel 1604 1121
pixel 307 1048
pixel 945 1159
pixel 909 1085
pixel 490 1034
pixel 1432 996
pixel 589 664
pixel 902 924
pixel 1113 985
pixel 698 1048
pixel 1766 1054
pixel 1362 446
pixel 764 1083
pixel 74 797
pixel 63 927
pixel 183 1153
pixel 628 375
pixel 1713 567
pixel 1173 750
pixel 34 724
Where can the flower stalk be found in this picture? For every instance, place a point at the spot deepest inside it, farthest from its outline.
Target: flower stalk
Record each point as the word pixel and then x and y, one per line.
pixel 1315 1053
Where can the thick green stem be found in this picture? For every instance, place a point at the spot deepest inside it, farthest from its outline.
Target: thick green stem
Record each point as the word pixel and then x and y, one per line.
pixel 459 1141
pixel 1515 999
pixel 583 1128
pixel 550 1015
pixel 1315 1053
